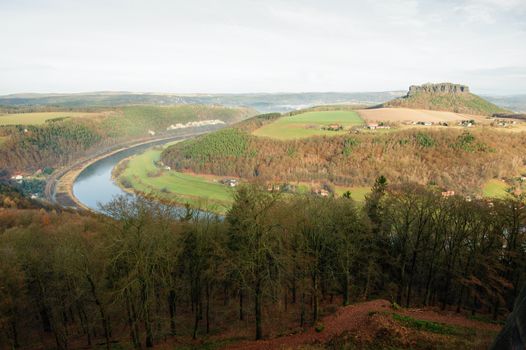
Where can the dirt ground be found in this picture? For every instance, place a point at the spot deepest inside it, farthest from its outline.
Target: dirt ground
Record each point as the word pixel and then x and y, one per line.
pixel 357 319
pixel 400 115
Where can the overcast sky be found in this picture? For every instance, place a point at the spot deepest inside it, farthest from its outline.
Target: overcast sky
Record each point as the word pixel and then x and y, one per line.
pixel 185 46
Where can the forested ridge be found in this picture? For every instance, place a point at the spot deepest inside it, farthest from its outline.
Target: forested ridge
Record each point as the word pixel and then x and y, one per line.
pixel 145 273
pixel 58 142
pixel 448 158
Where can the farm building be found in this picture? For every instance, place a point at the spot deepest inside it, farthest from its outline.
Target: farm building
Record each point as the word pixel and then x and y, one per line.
pixel 229 182
pixel 321 192
pixel 449 193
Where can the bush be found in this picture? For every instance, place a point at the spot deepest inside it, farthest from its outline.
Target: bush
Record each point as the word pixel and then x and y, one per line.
pixel 319 327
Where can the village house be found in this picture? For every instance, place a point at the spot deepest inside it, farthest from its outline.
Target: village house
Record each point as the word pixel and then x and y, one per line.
pixel 151 132
pixel 467 123
pixel 449 193
pixel 321 192
pixel 372 126
pixel 17 177
pixel 229 182
pixel 424 123
pixel 273 188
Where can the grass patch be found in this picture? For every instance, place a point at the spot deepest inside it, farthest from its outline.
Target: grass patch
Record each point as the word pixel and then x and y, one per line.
pixel 357 193
pixel 3 139
pixel 429 326
pixel 143 175
pixel 495 189
pixel 38 118
pixel 309 124
pixel 210 344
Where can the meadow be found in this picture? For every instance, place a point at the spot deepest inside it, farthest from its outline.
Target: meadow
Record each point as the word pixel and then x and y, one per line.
pixel 39 118
pixel 309 124
pixel 144 176
pixel 495 189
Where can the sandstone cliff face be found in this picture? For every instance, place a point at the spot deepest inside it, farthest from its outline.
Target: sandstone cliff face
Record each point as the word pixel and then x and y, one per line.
pixel 442 88
pixel 445 97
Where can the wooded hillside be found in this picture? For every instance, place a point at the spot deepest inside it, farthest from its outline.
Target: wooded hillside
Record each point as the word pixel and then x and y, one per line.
pixel 449 158
pixel 145 272
pixel 57 142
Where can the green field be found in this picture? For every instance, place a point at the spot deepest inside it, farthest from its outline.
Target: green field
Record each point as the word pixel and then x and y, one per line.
pixel 495 189
pixel 357 193
pixel 170 185
pixel 39 117
pixel 309 124
pixel 3 139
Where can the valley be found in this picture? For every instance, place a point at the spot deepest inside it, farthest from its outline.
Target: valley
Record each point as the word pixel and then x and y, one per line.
pixel 310 192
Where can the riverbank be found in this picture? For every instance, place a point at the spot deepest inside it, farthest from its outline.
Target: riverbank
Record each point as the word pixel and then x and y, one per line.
pixel 142 174
pixel 59 187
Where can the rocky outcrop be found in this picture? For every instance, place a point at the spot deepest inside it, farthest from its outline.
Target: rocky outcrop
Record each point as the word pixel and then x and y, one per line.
pixel 442 88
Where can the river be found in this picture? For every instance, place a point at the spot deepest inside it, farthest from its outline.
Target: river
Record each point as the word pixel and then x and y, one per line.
pixel 94 186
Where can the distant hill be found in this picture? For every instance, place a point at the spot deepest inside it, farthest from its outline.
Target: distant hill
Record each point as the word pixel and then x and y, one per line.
pixel 515 103
pixel 263 102
pixel 445 97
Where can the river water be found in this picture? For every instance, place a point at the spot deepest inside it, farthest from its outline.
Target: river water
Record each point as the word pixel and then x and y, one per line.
pixel 94 185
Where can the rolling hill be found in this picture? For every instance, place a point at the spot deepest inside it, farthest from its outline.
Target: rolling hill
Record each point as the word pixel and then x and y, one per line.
pixel 445 97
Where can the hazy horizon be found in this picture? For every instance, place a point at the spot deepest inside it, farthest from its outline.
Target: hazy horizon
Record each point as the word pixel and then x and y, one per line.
pixel 234 46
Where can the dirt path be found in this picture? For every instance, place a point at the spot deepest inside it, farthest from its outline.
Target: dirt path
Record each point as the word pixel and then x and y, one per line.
pixel 354 318
pixel 348 318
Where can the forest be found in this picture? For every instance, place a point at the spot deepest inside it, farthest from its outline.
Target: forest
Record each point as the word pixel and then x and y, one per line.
pixel 449 158
pixel 145 272
pixel 59 142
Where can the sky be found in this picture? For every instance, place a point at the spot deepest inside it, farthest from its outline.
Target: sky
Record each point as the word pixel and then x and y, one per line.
pixel 243 46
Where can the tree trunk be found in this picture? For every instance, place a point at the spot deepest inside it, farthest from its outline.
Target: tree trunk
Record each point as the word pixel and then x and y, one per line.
pixel 172 310
pixel 302 315
pixel 241 314
pixel 315 308
pixel 196 320
pixel 14 330
pixel 346 292
pixel 257 295
pixel 105 322
pixel 207 307
pixel 132 321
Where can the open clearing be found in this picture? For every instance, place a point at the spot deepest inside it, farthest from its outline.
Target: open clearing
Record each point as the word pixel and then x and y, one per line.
pixel 40 117
pixel 3 139
pixel 171 185
pixel 495 189
pixel 357 193
pixel 309 124
pixel 399 115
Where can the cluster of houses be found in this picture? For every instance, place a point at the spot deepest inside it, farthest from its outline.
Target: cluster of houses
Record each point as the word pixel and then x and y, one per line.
pixel 375 126
pixel 194 124
pixel 467 123
pixel 503 123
